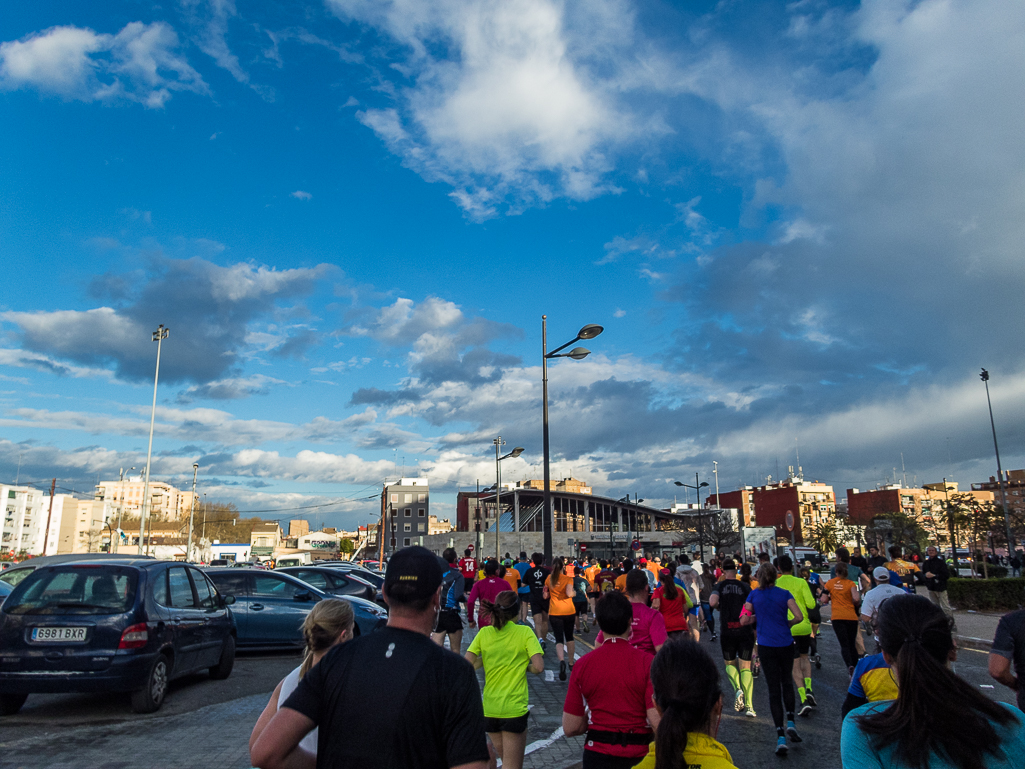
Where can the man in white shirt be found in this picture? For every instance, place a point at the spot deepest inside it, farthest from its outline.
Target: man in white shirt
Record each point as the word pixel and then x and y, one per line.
pixel 875 597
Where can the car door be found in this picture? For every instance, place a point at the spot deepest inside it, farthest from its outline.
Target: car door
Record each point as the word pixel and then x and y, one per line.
pixel 277 609
pixel 234 582
pixel 186 618
pixel 216 623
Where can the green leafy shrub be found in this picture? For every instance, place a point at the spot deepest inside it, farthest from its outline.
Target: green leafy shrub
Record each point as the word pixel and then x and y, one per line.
pixel 998 594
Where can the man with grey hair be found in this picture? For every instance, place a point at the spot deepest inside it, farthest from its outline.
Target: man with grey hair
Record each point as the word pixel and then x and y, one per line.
pixel 874 598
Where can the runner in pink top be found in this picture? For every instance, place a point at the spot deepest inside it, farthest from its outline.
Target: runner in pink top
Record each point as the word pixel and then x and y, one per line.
pixel 486 589
pixel 648 627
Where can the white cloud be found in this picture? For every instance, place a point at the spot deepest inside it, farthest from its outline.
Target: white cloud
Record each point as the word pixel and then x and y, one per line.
pixel 140 63
pixel 514 116
pixel 300 195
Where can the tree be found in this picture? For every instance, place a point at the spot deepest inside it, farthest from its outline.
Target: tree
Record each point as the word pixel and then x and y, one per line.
pixel 824 537
pixel 347 546
pixel 898 529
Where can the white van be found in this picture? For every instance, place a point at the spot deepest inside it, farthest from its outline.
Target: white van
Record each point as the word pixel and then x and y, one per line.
pixel 296 559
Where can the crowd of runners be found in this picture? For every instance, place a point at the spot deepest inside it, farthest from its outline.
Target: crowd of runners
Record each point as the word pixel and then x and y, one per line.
pixel 648 695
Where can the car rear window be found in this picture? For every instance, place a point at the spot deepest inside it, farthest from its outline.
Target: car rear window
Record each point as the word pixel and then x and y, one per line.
pixel 74 589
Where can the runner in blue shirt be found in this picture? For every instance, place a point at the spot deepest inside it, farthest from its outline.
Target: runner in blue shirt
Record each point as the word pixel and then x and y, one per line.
pixel 522 565
pixel 767 607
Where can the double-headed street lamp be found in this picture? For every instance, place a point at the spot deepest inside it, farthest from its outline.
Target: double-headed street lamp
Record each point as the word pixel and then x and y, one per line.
pixel 158 336
pixel 1000 471
pixel 590 331
pixel 701 529
pixel 498 490
pixel 629 529
pixel 192 510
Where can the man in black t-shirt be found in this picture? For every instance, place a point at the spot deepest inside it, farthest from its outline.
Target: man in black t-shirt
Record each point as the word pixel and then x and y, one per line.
pixel 738 642
pixel 390 699
pixel 535 580
pixel 1009 651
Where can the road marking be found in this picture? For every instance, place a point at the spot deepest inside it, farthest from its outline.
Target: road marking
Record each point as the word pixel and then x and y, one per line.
pixel 542 744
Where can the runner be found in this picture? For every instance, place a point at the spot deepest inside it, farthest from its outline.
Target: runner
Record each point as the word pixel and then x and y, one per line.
pixel 939 719
pixel 874 598
pixel 872 681
pixel 844 595
pixel 604 580
pixel 449 621
pixel 627 567
pixel 580 589
pixel 538 601
pixel 688 697
pixel 562 614
pixel 906 570
pixel 801 631
pixel 512 576
pixel 609 696
pixel 688 576
pixel 775 611
pixel 592 588
pixel 522 565
pixel 670 601
pixel 649 629
pixel 814 613
pixel 1009 649
pixel 505 650
pixel 468 567
pixel 486 589
pixel 328 624
pixel 736 640
pixel 707 584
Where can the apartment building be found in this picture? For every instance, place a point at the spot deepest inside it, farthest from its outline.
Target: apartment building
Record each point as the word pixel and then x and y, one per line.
pixel 407 507
pixel 25 517
pixel 166 501
pixel 812 504
pixel 924 505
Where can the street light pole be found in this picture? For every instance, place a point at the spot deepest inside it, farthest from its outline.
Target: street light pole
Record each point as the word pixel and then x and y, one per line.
pixel 158 336
pixel 498 490
pixel 697 493
pixel 590 331
pixel 1000 472
pixel 192 510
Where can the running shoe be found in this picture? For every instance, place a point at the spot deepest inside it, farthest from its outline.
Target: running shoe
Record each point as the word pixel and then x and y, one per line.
pixel 792 732
pixel 809 699
pixel 738 702
pixel 805 709
pixel 544 646
pixel 781 746
pixel 818 661
pixel 562 670
pixel 756 668
pixel 713 636
pixel 750 712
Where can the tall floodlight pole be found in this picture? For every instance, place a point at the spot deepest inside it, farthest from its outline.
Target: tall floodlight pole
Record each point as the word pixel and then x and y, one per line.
pixel 590 331
pixel 192 510
pixel 158 336
pixel 1000 472
pixel 121 509
pixel 498 490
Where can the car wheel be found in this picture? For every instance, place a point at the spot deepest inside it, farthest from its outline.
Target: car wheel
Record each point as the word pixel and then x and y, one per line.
pixel 151 696
pixel 222 669
pixel 11 703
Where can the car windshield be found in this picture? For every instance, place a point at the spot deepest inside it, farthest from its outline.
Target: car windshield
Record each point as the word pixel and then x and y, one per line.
pixel 74 589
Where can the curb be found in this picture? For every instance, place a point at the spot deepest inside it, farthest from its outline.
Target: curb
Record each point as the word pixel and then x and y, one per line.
pixel 979 644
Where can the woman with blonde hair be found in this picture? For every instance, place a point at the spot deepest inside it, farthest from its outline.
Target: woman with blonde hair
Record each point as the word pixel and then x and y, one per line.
pixel 329 623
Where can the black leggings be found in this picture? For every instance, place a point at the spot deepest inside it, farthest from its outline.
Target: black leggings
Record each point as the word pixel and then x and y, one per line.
pixel 778 669
pixel 847 634
pixel 562 627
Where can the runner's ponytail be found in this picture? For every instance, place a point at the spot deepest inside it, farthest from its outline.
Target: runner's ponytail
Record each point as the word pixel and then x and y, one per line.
pixel 687 692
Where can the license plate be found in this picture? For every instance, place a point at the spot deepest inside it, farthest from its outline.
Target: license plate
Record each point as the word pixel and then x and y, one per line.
pixel 50 634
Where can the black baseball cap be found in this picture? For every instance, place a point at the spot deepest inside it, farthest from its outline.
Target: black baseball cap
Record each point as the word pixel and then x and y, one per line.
pixel 414 573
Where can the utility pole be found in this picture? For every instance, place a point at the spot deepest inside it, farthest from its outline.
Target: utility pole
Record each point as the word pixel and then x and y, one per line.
pixel 158 336
pixel 192 510
pixel 46 533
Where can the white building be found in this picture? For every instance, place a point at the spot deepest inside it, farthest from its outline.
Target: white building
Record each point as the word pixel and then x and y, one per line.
pixel 25 515
pixel 166 501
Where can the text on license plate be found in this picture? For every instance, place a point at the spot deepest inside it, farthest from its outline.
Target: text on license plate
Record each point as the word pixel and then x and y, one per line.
pixel 58 633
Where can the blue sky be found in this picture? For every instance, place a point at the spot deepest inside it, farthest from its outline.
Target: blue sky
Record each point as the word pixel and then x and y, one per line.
pixel 800 225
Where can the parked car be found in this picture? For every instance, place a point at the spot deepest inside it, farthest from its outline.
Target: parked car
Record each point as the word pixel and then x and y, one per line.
pixel 18 572
pixel 270 606
pixel 5 590
pixel 113 625
pixel 332 581
pixel 298 559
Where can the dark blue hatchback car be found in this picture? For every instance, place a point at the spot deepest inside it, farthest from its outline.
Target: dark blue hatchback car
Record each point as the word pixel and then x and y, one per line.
pixel 127 625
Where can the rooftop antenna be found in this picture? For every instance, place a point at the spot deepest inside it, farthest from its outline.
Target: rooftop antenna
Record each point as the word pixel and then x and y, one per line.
pixel 903 471
pixel 797 450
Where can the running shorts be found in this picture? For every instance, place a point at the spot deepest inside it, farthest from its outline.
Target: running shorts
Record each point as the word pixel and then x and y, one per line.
pixel 736 645
pixel 815 615
pixel 449 621
pixel 516 725
pixel 562 626
pixel 802 645
pixel 538 605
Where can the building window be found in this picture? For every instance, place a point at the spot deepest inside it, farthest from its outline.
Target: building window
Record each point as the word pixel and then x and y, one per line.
pixel 406 542
pixel 407 527
pixel 420 512
pixel 409 497
pixel 409 512
pixel 421 527
pixel 421 497
pixel 395 498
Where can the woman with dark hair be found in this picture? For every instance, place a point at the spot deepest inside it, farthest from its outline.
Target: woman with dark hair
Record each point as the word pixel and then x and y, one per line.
pixel 505 650
pixel 689 700
pixel 671 602
pixel 768 608
pixel 707 586
pixel 562 614
pixel 939 721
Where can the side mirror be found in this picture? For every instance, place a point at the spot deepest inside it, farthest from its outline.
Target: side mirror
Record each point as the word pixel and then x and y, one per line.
pixel 228 600
pixel 303 595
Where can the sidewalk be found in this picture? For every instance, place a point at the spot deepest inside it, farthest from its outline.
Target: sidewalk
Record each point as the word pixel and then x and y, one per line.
pixel 975 629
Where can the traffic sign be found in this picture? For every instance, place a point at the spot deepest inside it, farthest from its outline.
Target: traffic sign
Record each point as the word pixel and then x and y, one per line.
pixel 635 545
pixel 470 547
pixel 790 520
pixel 583 546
